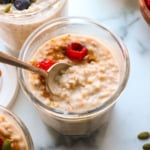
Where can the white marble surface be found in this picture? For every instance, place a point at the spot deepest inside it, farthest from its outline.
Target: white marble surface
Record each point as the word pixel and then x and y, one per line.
pixel 132 112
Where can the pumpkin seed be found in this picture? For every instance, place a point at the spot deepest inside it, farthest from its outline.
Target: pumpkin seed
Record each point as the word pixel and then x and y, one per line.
pixel 7 9
pixel 6 145
pixel 143 135
pixel 146 146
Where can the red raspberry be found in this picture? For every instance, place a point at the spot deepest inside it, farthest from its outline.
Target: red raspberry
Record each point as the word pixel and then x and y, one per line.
pixel 45 64
pixel 148 3
pixel 76 51
pixel 1 143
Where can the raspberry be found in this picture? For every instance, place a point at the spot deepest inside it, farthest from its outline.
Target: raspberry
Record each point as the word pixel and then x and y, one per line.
pixel 1 143
pixel 76 51
pixel 45 64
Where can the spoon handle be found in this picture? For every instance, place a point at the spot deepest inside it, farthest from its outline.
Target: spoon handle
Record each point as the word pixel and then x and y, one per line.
pixel 11 60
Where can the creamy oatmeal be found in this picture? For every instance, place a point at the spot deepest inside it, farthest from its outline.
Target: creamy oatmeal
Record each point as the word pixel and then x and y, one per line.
pixel 16 25
pixel 11 134
pixel 35 6
pixel 87 84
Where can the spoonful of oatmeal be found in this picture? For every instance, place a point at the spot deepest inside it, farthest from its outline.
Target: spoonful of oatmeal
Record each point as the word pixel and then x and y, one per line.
pixel 49 75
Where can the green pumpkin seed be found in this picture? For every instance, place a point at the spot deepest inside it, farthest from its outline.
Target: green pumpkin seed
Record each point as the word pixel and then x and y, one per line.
pixel 7 9
pixel 143 135
pixel 146 146
pixel 32 1
pixel 6 145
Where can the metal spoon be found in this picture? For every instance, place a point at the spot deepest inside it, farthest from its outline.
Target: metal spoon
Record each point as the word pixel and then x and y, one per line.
pixel 49 75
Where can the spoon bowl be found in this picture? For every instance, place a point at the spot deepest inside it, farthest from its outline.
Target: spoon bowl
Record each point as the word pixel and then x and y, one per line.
pixel 54 71
pixel 48 75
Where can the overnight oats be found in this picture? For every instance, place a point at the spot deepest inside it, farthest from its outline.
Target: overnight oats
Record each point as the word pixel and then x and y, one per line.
pixel 13 134
pixel 91 79
pixel 19 18
pixel 86 92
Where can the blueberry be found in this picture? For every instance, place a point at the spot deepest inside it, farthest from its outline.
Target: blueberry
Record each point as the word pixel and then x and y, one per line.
pixel 22 4
pixel 5 1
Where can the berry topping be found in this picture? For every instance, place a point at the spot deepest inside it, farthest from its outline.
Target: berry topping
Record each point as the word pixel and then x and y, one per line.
pixel 76 51
pixel 5 1
pixel 19 4
pixel 22 4
pixel 45 64
pixel 1 143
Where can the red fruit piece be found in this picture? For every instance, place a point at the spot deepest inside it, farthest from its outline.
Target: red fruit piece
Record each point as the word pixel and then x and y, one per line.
pixel 76 51
pixel 148 3
pixel 1 143
pixel 45 64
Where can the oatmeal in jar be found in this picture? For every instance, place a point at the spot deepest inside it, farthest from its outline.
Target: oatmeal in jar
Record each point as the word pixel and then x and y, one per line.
pixel 18 18
pixel 92 78
pixel 11 136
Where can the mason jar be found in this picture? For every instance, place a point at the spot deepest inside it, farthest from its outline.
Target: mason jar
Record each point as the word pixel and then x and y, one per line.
pixel 16 25
pixel 77 115
pixel 13 131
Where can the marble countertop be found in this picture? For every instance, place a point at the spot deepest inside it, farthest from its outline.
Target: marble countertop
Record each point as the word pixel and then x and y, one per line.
pixel 131 114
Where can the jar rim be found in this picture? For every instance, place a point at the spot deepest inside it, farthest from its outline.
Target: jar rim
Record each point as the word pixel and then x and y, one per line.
pixel 65 114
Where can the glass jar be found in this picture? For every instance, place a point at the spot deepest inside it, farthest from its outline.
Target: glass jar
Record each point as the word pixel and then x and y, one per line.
pixel 15 26
pixel 67 122
pixel 13 129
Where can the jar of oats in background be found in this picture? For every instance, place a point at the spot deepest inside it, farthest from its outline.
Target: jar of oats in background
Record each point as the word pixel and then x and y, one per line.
pixel 13 133
pixel 19 19
pixel 88 90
